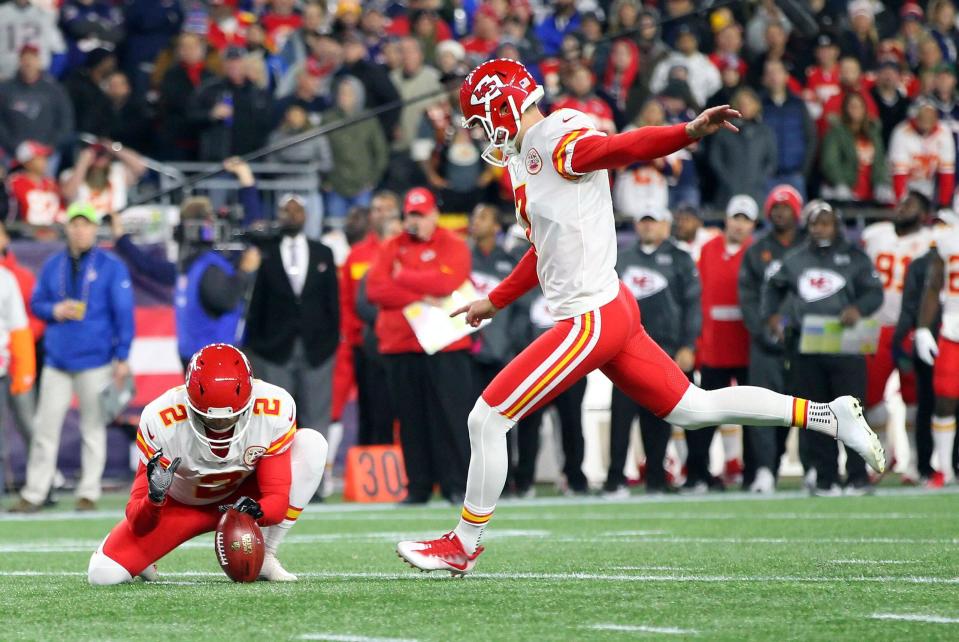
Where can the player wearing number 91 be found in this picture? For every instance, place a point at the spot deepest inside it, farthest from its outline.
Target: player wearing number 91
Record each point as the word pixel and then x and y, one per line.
pixel 223 438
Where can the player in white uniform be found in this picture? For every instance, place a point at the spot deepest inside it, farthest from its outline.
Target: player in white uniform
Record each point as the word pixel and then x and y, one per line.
pixel 558 165
pixel 942 292
pixel 223 438
pixel 892 245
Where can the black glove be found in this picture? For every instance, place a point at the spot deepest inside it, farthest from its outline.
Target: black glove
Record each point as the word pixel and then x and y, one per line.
pixel 159 478
pixel 246 505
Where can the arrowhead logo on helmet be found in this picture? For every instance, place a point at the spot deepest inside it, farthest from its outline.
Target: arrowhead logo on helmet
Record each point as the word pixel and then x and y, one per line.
pixel 219 386
pixel 495 95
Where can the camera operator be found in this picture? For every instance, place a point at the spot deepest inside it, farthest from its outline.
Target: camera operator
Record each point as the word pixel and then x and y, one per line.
pixel 210 289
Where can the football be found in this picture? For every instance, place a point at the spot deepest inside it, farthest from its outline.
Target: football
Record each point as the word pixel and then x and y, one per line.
pixel 239 546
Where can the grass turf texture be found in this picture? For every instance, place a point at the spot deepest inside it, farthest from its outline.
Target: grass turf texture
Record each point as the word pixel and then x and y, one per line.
pixel 717 568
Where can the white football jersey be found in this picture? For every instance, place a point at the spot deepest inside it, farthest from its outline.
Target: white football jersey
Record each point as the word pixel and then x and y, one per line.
pixel 567 216
pixel 891 255
pixel 202 477
pixel 946 239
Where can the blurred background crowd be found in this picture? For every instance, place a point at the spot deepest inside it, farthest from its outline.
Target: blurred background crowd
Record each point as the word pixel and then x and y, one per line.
pixel 105 102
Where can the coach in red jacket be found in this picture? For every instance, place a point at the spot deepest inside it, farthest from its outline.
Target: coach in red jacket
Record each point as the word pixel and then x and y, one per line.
pixel 724 344
pixel 432 393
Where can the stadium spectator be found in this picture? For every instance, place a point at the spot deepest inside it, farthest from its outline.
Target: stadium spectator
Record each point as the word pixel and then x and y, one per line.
pixel 666 284
pixel 700 74
pixel 376 81
pixel 767 13
pixel 226 25
pixel 853 157
pixel 88 25
pixel 889 94
pixel 176 134
pixel 402 25
pixel 778 50
pixel 33 106
pixel 618 86
pixel 347 17
pixel 813 282
pixel 795 133
pixel 84 295
pixel 424 27
pixel 644 187
pixel 911 30
pixel 485 36
pixel 850 80
pixel 744 162
pixel 451 59
pixel 360 152
pixel 293 319
pixel 679 15
pixel 563 19
pixel 25 23
pixel 84 85
pixel 652 49
pixel 724 344
pixel 580 95
pixel 17 356
pixel 732 79
pixel 684 186
pixel 729 49
pixel 280 21
pixel 945 99
pixel 942 27
pixel 922 155
pixel 861 39
pixel 296 48
pixel 766 356
pixel 150 26
pixel 359 343
pixel 412 79
pixel 822 78
pixel 518 30
pixel 129 117
pixel 34 194
pixel 432 392
pixel 232 114
pixel 306 95
pixel 102 176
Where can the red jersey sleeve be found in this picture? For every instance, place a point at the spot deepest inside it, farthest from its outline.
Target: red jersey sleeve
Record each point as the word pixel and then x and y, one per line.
pixel 584 150
pixel 381 288
pixel 520 281
pixel 454 269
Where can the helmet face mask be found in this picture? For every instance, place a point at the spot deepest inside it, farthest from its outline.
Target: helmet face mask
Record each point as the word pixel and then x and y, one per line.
pixel 495 95
pixel 219 385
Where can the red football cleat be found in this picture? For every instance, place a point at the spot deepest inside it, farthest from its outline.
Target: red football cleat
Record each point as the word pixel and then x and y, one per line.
pixel 733 473
pixel 443 554
pixel 936 481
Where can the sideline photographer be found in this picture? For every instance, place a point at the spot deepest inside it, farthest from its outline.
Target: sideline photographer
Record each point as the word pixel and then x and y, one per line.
pixel 210 289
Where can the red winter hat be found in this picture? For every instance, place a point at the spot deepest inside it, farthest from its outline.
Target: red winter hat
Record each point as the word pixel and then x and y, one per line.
pixel 784 194
pixel 419 200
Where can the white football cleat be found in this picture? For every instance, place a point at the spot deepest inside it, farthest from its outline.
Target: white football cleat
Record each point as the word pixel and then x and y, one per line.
pixel 150 573
pixel 764 483
pixel 855 433
pixel 273 571
pixel 445 553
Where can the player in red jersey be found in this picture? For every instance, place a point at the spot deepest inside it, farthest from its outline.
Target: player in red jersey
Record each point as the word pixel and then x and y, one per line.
pixel 223 438
pixel 558 165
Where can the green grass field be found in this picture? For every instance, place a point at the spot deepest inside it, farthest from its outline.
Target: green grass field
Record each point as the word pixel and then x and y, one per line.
pixel 724 567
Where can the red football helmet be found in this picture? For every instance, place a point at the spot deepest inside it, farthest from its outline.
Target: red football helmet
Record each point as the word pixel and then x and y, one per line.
pixel 219 387
pixel 495 95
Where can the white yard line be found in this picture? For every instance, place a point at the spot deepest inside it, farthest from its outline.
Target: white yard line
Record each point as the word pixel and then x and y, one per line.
pixel 339 637
pixel 910 617
pixel 641 628
pixel 874 561
pixel 552 577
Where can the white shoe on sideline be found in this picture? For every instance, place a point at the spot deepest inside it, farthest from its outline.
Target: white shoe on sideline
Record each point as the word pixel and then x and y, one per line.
pixel 855 433
pixel 764 483
pixel 273 571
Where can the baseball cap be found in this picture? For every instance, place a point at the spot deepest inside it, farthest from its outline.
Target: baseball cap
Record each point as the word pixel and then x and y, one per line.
pixel 661 214
pixel 911 11
pixel 30 149
pixel 291 197
pixel 945 68
pixel 861 8
pixel 815 208
pixel 419 200
pixel 85 210
pixel 29 47
pixel 743 204
pixel 825 40
pixel 784 194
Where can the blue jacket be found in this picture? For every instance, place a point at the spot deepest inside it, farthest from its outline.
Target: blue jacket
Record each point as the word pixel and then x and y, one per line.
pixel 195 327
pixel 106 331
pixel 551 31
pixel 793 130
